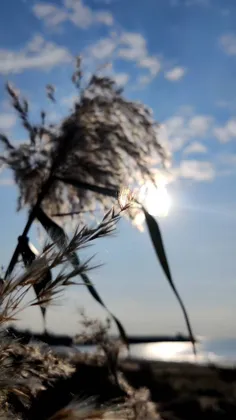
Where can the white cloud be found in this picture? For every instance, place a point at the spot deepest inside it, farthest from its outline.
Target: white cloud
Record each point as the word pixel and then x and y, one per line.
pixel 227 132
pixel 7 121
pixel 182 128
pixel 195 147
pixel 49 13
pixel 144 80
pixel 134 46
pixel 196 170
pixel 102 49
pixel 228 43
pixel 74 11
pixel 128 46
pixel 175 74
pixel 152 64
pixel 199 125
pixel 104 17
pixel 121 78
pixel 175 132
pixel 36 44
pixel 38 54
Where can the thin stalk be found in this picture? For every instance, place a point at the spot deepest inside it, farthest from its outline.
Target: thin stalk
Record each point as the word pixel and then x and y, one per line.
pixel 32 215
pixel 28 225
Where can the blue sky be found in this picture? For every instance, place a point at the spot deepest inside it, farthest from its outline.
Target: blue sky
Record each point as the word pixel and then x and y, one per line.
pixel 178 57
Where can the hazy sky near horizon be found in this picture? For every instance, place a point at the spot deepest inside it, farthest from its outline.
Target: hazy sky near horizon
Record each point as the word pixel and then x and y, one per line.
pixel 178 57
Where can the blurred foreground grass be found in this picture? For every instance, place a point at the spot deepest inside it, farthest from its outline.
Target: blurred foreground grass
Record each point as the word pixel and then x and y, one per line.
pixel 36 384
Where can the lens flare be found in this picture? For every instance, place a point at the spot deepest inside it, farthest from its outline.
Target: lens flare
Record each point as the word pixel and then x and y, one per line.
pixel 156 200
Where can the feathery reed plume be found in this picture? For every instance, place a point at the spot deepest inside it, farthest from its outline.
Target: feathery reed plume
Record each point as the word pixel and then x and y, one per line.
pixel 103 146
pixel 36 274
pixel 105 142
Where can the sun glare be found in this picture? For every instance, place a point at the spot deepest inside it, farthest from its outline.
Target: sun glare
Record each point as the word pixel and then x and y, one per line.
pixel 155 199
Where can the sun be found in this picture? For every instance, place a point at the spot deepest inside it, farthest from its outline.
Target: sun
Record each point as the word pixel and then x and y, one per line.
pixel 155 199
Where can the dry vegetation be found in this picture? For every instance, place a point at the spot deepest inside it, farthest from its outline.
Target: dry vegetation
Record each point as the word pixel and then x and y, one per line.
pixel 38 384
pixel 68 170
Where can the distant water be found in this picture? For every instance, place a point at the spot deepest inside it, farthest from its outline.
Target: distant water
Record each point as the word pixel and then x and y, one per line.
pixel 208 351
pixel 221 352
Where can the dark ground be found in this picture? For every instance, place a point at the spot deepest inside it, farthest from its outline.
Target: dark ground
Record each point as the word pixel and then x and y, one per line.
pixel 181 391
pixel 187 391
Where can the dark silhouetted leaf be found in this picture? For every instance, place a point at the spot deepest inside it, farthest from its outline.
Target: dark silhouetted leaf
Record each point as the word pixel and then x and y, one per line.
pixel 50 91
pixel 55 231
pixel 13 262
pixel 29 254
pixel 57 234
pixel 158 245
pixel 6 142
pixel 109 192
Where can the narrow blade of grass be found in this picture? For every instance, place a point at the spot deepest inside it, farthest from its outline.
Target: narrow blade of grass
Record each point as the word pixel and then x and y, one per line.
pixel 58 234
pixel 109 192
pixel 156 237
pixel 29 254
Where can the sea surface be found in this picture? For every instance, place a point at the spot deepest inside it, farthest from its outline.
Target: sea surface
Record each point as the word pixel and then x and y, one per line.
pixel 220 352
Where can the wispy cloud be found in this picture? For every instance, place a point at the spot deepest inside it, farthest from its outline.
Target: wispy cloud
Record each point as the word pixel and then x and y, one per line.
pixel 226 132
pixel 196 170
pixel 228 43
pixel 194 148
pixel 121 78
pixel 183 132
pixel 199 125
pixel 37 54
pixel 73 11
pixel 144 80
pixel 102 49
pixel 175 74
pixel 126 46
pixel 36 44
pixel 150 63
pixel 7 121
pixel 178 130
pixel 133 47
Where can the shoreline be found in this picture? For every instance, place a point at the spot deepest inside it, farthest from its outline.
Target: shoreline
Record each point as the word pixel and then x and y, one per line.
pixel 53 339
pixel 67 345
